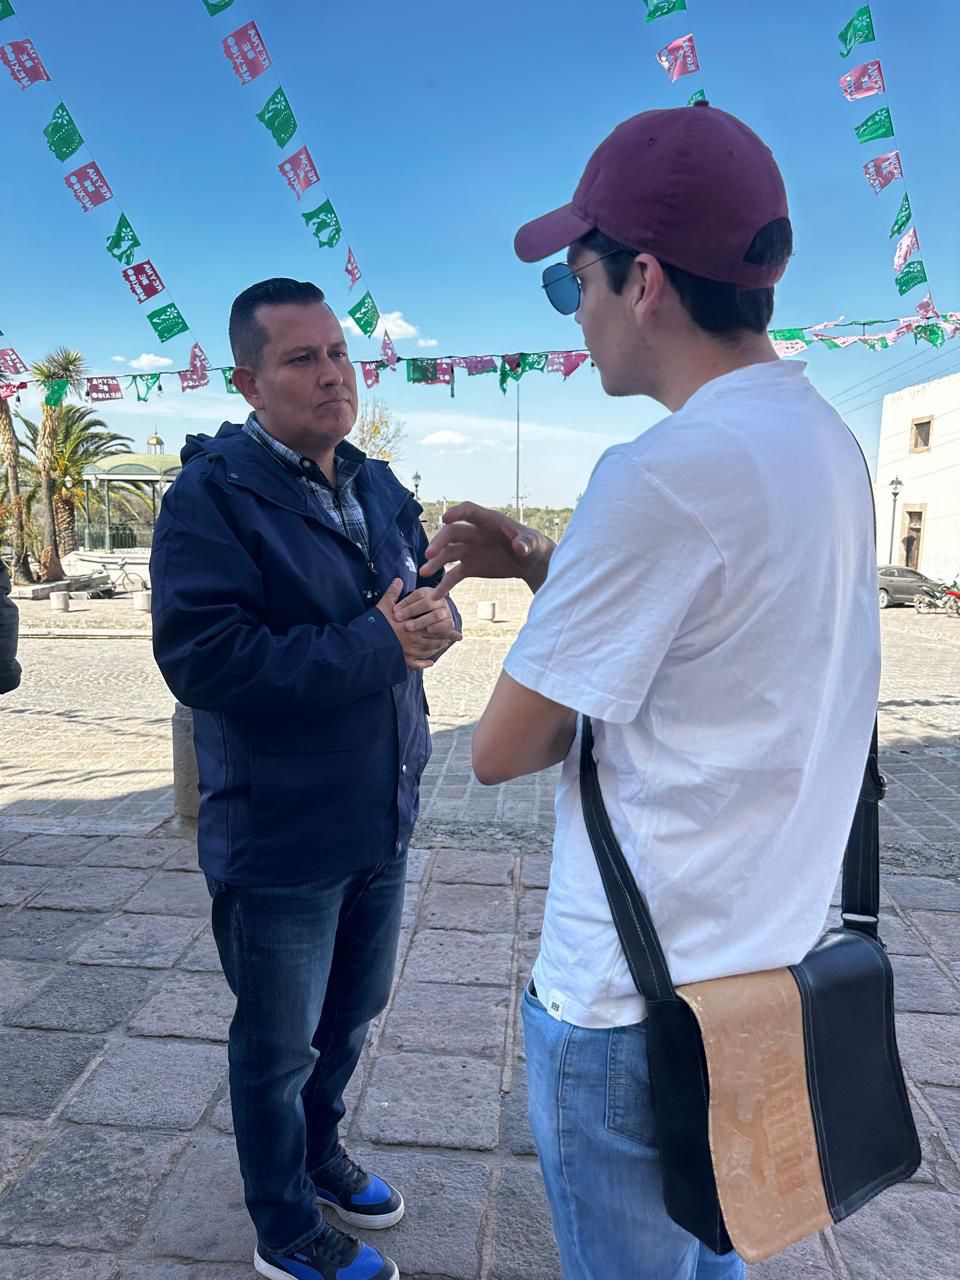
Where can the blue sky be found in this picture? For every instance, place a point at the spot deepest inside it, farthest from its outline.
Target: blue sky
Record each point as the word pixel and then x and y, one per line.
pixel 436 136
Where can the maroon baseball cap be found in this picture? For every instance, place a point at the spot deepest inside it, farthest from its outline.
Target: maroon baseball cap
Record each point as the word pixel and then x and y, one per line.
pixel 690 185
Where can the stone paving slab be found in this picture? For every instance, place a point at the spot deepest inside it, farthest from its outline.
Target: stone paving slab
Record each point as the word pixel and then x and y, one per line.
pixel 162 1085
pixel 148 942
pixel 82 1000
pixel 456 1102
pixel 90 1188
pixel 37 1068
pixel 192 1006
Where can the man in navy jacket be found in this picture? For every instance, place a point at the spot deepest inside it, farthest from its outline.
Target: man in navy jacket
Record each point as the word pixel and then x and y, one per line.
pixel 279 558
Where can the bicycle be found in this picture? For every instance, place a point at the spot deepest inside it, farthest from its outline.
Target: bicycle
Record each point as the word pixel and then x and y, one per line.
pixel 124 581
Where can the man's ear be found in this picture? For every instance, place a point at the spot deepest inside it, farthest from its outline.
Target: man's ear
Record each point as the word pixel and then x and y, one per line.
pixel 245 380
pixel 646 283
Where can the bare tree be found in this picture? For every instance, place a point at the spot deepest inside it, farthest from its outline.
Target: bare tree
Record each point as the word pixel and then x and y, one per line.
pixel 378 433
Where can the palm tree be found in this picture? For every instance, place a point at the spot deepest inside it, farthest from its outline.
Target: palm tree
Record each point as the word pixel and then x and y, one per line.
pixel 61 365
pixel 82 440
pixel 10 447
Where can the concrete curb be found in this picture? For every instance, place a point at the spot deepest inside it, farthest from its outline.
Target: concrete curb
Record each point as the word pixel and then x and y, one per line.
pixel 67 633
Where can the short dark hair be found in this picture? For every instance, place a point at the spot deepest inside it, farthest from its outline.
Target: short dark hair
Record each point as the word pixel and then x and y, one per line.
pixel 720 309
pixel 247 337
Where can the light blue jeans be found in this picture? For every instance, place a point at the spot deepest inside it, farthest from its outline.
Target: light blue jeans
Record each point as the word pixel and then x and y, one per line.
pixel 592 1120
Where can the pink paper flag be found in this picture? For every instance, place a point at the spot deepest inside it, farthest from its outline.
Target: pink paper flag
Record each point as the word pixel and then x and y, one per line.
pixel 477 364
pixel 300 172
pixel 247 53
pixel 925 308
pixel 8 389
pixel 907 247
pixel 791 347
pixel 89 186
pixel 144 280
pixel 566 362
pixel 388 352
pixel 10 363
pixel 352 269
pixel 371 372
pixel 679 58
pixel 23 62
pixel 863 82
pixel 197 374
pixel 883 170
pixel 99 389
pixel 840 342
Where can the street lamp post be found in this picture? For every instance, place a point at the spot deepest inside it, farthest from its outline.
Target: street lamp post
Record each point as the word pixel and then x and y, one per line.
pixel 417 477
pixel 896 484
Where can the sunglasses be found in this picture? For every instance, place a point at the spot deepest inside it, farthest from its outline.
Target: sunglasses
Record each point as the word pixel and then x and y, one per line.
pixel 562 287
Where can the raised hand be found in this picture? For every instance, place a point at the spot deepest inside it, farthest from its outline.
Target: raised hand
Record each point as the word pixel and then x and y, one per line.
pixel 480 543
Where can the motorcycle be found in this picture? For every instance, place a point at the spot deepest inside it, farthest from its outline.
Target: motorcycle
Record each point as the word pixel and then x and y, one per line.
pixel 942 599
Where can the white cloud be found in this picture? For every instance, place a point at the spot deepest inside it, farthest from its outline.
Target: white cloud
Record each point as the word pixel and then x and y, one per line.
pixel 427 342
pixel 147 363
pixel 119 359
pixel 446 439
pixel 399 326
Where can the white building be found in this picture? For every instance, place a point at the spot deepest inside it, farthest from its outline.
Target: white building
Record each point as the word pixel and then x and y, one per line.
pixel 920 448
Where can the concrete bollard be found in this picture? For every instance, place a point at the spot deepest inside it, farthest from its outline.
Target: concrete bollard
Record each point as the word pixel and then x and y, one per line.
pixel 186 794
pixel 141 601
pixel 487 610
pixel 60 601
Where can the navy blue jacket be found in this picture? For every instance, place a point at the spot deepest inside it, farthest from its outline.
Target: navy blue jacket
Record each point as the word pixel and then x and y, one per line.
pixel 311 733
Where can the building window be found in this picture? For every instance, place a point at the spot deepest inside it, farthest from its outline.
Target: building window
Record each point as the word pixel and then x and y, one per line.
pixel 920 435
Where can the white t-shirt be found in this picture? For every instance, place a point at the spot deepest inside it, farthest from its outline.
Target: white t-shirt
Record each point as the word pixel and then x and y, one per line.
pixel 713 606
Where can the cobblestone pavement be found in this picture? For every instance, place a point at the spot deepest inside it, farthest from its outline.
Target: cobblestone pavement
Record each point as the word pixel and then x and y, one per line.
pixel 116 1154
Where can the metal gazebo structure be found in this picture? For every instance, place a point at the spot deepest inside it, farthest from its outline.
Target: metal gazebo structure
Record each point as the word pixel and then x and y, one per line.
pixel 153 470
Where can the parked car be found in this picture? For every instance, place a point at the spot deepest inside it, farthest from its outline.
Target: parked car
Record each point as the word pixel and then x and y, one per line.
pixel 899 585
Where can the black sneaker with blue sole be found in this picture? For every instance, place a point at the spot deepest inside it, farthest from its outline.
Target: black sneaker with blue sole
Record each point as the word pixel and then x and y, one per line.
pixel 331 1255
pixel 361 1199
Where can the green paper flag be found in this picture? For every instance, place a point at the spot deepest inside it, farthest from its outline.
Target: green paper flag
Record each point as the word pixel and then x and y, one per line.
pixel 859 30
pixel 788 335
pixel 124 242
pixel 365 315
pixel 228 380
pixel 277 115
pixel 699 96
pixel 660 8
pixel 62 135
pixel 6 9
pixel 828 343
pixel 913 273
pixel 217 6
pixel 932 333
pixel 524 363
pixel 876 126
pixel 143 384
pixel 903 218
pixel 324 224
pixel 167 322
pixel 56 389
pixel 876 344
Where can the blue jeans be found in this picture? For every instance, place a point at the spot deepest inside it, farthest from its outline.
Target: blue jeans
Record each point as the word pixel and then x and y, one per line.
pixel 592 1119
pixel 310 965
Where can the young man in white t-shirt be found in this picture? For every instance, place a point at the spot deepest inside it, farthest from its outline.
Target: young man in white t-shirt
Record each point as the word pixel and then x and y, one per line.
pixel 713 607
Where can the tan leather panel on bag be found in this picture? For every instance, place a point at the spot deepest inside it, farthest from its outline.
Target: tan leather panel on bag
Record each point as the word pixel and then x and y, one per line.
pixel 761 1127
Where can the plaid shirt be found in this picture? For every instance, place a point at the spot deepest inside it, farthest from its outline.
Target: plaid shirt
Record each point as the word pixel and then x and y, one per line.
pixel 341 502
